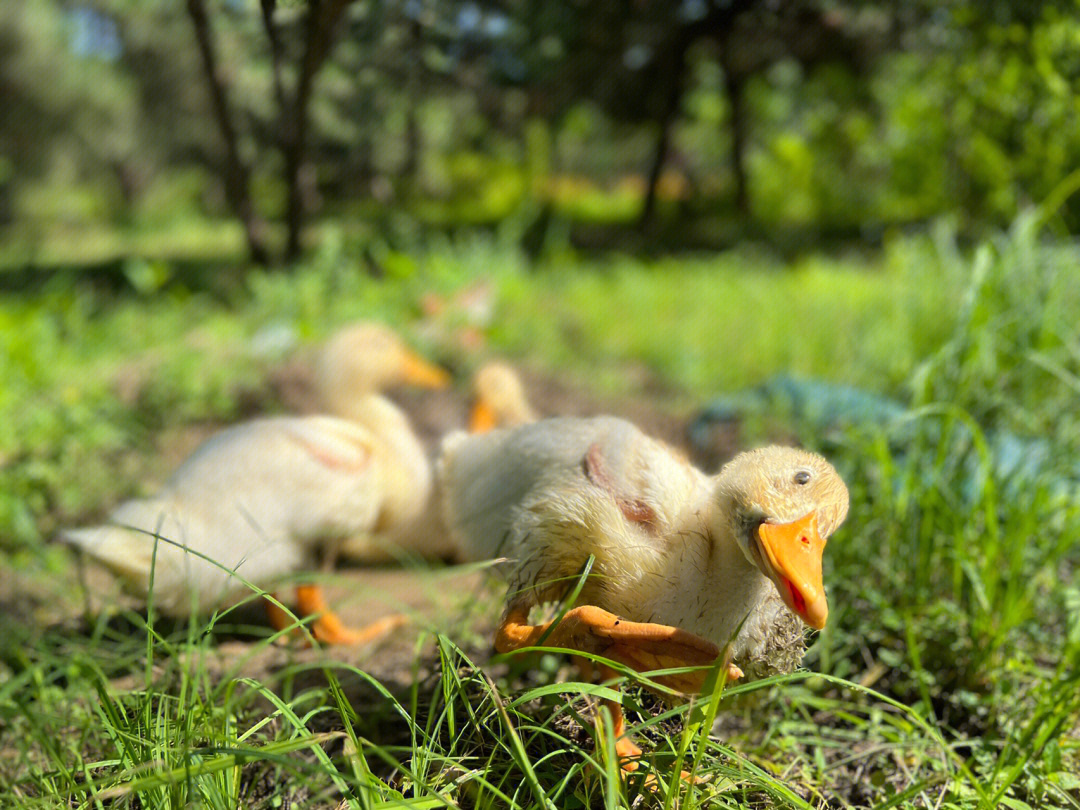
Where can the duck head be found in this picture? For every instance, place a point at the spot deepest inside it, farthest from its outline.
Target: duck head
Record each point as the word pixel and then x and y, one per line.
pixel 369 357
pixel 780 504
pixel 499 399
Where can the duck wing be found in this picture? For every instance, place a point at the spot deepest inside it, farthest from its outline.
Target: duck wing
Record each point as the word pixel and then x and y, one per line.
pixel 553 492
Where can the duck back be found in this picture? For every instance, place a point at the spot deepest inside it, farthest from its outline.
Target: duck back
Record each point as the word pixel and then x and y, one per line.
pixel 484 478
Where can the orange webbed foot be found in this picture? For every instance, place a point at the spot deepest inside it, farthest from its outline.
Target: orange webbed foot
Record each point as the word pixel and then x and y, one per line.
pixel 642 646
pixel 645 646
pixel 328 627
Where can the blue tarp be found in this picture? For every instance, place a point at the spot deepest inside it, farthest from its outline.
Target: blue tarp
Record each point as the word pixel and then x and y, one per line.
pixel 832 413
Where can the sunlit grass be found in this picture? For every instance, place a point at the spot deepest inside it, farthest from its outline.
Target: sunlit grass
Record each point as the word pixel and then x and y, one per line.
pixel 706 325
pixel 949 674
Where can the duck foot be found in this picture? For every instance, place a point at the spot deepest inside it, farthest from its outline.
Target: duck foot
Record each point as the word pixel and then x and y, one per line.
pixel 626 750
pixel 642 646
pixel 652 783
pixel 279 619
pixel 328 627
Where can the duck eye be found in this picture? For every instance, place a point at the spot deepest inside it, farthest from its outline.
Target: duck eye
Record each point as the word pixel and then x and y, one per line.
pixel 802 477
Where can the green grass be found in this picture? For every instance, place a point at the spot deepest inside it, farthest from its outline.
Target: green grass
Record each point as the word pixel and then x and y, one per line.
pixel 704 325
pixel 949 675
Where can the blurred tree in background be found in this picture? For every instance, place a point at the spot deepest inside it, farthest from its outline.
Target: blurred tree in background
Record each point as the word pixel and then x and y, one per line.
pixel 706 119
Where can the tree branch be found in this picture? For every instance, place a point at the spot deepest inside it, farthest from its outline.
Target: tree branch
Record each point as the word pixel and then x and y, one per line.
pixel 237 174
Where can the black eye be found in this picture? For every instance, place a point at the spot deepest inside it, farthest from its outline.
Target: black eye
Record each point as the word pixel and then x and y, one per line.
pixel 802 477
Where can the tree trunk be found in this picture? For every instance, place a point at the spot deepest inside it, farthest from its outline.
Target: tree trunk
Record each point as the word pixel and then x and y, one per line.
pixel 237 174
pixel 715 24
pixel 676 68
pixel 294 135
pixel 412 124
pixel 277 57
pixel 322 19
pixel 736 86
pixel 648 210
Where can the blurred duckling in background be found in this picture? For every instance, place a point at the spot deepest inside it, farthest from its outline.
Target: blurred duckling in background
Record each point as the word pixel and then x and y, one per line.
pixel 684 563
pixel 259 500
pixel 349 369
pixel 499 399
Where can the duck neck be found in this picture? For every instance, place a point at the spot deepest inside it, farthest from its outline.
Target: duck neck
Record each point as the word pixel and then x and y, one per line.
pixel 406 472
pixel 736 588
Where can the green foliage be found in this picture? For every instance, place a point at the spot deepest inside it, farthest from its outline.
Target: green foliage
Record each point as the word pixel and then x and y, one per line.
pixel 720 322
pixel 434 109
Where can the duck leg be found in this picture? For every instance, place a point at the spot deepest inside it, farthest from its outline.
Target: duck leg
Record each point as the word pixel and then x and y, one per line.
pixel 626 749
pixel 328 627
pixel 642 646
pixel 277 617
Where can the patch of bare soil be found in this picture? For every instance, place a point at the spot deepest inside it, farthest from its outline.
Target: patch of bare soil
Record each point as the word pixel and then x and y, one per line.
pixel 430 599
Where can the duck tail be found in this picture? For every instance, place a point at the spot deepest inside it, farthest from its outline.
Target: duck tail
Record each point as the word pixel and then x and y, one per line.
pixel 126 545
pixel 128 553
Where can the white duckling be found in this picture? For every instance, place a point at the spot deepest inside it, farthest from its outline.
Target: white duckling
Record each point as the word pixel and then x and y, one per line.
pixel 349 369
pixel 259 499
pixel 685 563
pixel 499 399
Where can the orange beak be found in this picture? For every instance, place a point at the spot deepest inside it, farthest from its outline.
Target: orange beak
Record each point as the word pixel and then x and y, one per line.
pixel 793 552
pixel 418 371
pixel 482 419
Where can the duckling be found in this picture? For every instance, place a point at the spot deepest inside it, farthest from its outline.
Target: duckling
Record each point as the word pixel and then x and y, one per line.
pixel 499 399
pixel 349 369
pixel 685 564
pixel 259 499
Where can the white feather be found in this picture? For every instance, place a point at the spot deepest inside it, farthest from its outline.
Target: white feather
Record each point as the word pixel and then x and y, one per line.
pixel 257 499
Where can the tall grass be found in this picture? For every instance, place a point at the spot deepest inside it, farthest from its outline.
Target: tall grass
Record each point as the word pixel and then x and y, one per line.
pixel 960 571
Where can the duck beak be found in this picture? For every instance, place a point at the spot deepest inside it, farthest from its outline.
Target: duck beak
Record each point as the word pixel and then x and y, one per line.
pixel 793 552
pixel 418 371
pixel 482 419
